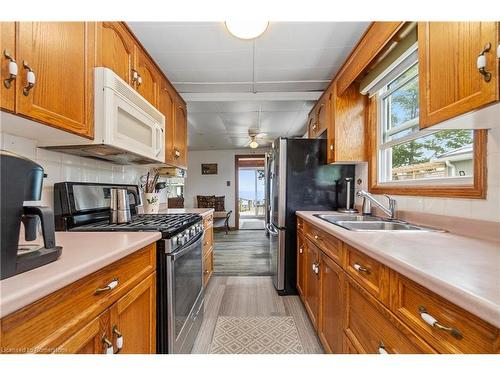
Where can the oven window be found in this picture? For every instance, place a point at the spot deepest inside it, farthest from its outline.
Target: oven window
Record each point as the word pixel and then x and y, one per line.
pixel 187 284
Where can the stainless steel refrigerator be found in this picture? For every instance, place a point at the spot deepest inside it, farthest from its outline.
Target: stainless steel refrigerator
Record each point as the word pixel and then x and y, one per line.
pixel 298 179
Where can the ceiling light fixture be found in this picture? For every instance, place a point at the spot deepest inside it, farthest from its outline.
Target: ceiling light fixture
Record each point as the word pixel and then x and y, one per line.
pixel 246 29
pixel 253 143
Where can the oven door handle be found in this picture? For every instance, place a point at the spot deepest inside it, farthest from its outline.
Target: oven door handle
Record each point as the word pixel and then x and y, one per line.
pixel 188 247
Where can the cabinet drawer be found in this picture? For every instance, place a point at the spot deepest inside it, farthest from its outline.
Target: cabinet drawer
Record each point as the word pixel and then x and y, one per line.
pixel 374 329
pixel 48 322
pixel 330 245
pixel 447 327
pixel 368 272
pixel 208 240
pixel 207 267
pixel 208 221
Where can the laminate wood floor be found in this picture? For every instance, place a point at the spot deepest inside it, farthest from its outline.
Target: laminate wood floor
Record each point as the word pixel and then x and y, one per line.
pixel 241 253
pixel 251 296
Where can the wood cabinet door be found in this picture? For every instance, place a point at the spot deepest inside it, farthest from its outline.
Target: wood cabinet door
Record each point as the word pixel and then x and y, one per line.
pixel 166 105
pixel 133 318
pixel 311 295
pixel 116 49
pixel 450 83
pixel 311 125
pixel 61 56
pixel 350 121
pixel 330 330
pixel 301 264
pixel 180 135
pixel 323 113
pixel 148 81
pixel 89 339
pixel 7 48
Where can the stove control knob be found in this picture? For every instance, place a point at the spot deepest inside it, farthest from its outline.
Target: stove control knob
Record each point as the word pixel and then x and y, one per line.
pixel 192 231
pixel 178 240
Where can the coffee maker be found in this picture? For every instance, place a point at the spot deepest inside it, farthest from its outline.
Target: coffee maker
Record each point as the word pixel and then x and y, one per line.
pixel 21 181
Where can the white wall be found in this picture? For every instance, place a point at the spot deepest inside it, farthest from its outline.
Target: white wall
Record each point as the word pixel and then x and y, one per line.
pixel 485 209
pixel 64 167
pixel 198 184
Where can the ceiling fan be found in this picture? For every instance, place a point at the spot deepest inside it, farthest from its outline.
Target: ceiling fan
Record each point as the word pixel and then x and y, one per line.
pixel 252 142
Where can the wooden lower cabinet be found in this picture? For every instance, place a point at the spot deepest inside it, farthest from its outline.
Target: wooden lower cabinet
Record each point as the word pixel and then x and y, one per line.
pixel 88 340
pixel 373 329
pixel 358 305
pixel 301 264
pixel 311 276
pixel 208 248
pixel 133 319
pixel 86 317
pixel 208 267
pixel 330 305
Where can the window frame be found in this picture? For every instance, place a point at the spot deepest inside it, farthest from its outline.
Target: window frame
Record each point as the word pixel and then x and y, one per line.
pixel 432 188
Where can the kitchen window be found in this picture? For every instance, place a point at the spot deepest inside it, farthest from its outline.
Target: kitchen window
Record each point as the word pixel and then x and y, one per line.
pixel 407 160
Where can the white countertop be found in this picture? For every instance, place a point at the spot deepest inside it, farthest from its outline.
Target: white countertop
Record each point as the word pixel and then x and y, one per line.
pixel 464 270
pixel 83 253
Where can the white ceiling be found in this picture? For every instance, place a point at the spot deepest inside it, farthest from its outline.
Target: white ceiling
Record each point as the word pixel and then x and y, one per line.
pixel 202 57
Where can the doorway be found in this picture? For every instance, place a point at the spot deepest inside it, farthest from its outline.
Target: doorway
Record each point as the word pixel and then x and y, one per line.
pixel 250 192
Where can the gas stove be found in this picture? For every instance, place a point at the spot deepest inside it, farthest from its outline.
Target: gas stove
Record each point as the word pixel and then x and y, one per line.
pixel 176 229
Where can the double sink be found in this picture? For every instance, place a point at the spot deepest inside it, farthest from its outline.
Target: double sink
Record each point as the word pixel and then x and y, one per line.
pixel 364 223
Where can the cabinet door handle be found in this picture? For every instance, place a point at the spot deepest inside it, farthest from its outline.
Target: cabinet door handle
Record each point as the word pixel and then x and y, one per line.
pixel 206 272
pixel 30 79
pixel 177 153
pixel 381 348
pixel 315 268
pixel 12 70
pixel 108 346
pixel 481 62
pixel 139 80
pixel 360 268
pixel 112 285
pixel 301 249
pixel 498 51
pixel 135 75
pixel 430 320
pixel 119 339
pixel 316 237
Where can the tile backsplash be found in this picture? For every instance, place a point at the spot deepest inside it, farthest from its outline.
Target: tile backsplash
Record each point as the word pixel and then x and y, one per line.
pixel 64 167
pixel 483 209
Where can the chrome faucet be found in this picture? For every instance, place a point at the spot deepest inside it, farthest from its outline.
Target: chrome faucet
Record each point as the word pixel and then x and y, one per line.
pixel 389 211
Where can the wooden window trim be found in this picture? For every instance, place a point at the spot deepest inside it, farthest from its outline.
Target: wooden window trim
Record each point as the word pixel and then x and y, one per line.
pixel 476 191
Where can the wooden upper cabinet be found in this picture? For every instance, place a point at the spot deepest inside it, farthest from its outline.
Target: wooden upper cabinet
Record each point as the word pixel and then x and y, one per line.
pixel 450 83
pixel 116 50
pixel 60 56
pixel 311 124
pixel 180 134
pixel 8 54
pixel 148 80
pixel 166 104
pixel 133 319
pixel 349 126
pixel 323 115
pixel 330 330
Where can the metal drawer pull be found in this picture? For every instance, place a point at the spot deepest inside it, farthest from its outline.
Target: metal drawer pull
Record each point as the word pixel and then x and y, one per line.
pixel 206 272
pixel 315 268
pixel 360 268
pixel 481 62
pixel 108 346
pixel 112 285
pixel 381 348
pixel 12 70
pixel 430 320
pixel 316 237
pixel 30 78
pixel 301 249
pixel 119 339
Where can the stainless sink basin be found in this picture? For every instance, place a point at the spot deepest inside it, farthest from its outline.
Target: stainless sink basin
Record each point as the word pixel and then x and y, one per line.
pixel 360 223
pixel 369 226
pixel 336 218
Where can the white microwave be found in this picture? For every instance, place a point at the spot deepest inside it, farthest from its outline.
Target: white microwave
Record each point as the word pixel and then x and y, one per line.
pixel 127 128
